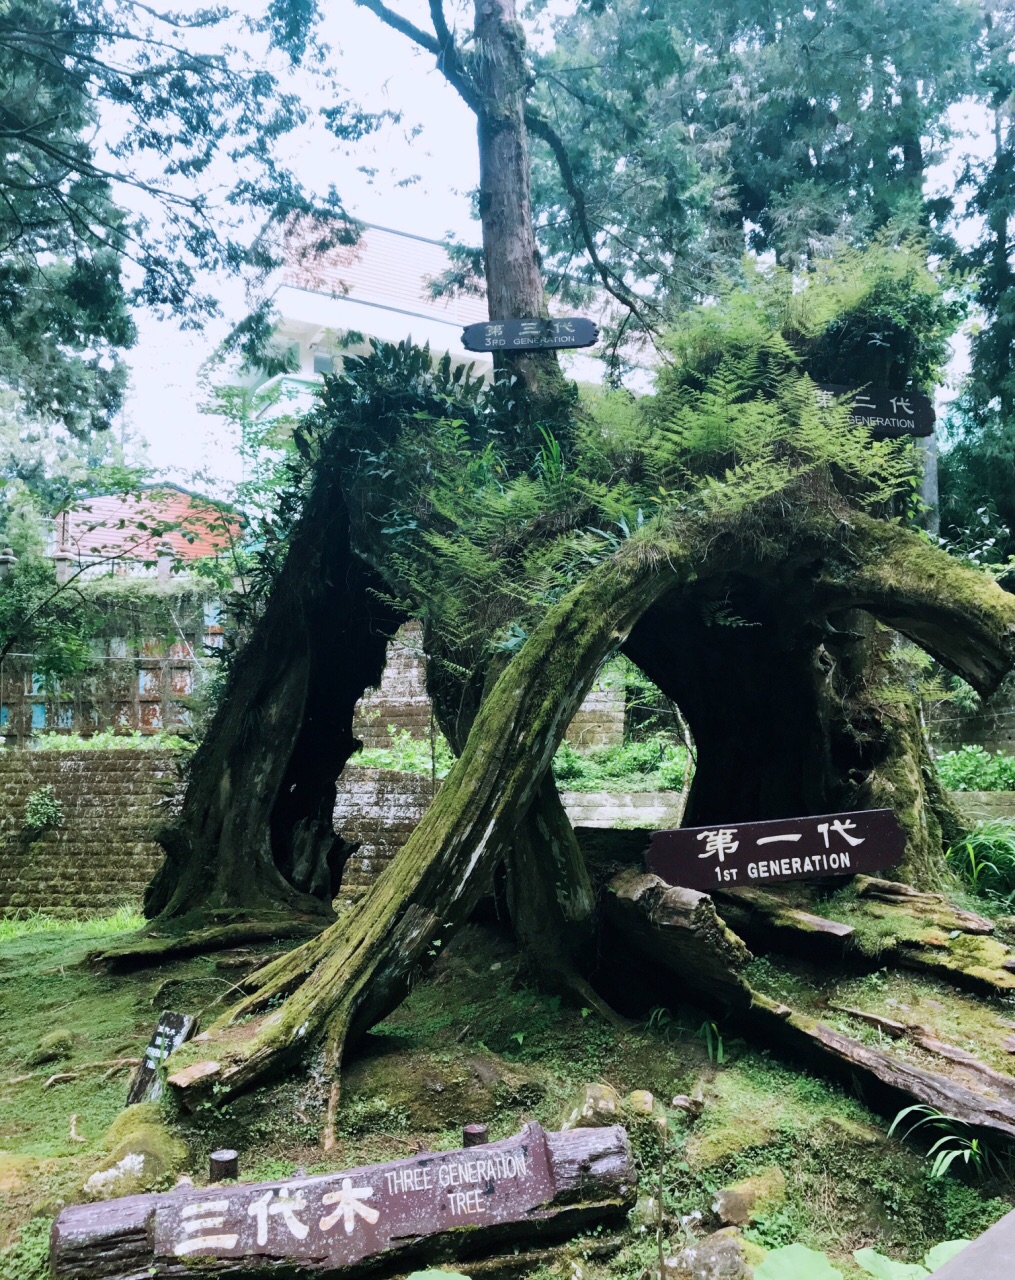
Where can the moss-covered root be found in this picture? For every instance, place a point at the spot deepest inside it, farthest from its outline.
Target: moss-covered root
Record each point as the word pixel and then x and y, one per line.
pixel 157 944
pixel 354 973
pixel 955 612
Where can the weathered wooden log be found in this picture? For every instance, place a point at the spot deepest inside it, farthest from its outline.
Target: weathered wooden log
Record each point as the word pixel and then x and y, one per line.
pixel 885 1081
pixel 679 930
pixel 932 935
pixel 439 1206
pixel 932 907
pixel 769 918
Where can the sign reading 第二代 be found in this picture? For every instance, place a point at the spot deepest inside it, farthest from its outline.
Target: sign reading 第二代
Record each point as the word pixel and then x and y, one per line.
pixel 530 335
pixel 885 412
pixel 735 855
pixel 345 1217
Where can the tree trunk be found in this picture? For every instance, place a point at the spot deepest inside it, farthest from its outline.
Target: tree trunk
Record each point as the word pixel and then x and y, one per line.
pixel 255 833
pixel 550 897
pixel 514 280
pixel 360 971
pixel 789 690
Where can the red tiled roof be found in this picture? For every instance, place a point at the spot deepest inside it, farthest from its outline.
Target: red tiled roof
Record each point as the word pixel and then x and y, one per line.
pixel 134 526
pixel 386 268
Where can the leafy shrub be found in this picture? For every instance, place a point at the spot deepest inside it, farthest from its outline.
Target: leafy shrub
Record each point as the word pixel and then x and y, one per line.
pixel 408 754
pixel 973 768
pixel 111 740
pixel 28 1257
pixel 654 764
pixel 985 858
pixel 43 809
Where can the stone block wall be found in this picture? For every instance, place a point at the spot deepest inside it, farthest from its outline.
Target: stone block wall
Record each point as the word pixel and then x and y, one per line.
pixel 103 854
pixel 400 700
pixel 378 810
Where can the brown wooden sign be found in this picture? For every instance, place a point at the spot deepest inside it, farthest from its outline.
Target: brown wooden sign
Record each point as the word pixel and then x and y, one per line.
pixel 345 1217
pixel 172 1030
pixel 530 335
pixel 755 853
pixel 887 413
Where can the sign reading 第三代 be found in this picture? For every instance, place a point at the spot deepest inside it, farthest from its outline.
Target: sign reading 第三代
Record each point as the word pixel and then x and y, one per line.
pixel 172 1030
pixel 344 1217
pixel 754 853
pixel 885 412
pixel 530 335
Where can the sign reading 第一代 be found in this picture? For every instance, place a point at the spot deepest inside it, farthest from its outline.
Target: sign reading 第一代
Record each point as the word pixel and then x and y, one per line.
pixel 172 1030
pixel 343 1217
pixel 755 853
pixel 886 413
pixel 530 335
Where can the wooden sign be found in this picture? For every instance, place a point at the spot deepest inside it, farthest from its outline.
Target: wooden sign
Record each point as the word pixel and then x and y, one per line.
pixel 500 1195
pixel 755 853
pixel 172 1030
pixel 348 1216
pixel 888 414
pixel 530 335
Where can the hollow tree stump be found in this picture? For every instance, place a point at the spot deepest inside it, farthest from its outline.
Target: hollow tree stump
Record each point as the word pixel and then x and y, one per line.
pixel 436 1206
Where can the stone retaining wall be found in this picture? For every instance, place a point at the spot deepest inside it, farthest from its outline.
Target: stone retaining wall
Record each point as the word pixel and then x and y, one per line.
pixel 103 854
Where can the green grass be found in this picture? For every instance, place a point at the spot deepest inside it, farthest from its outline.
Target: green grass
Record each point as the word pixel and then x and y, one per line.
pixel 126 919
pixel 985 859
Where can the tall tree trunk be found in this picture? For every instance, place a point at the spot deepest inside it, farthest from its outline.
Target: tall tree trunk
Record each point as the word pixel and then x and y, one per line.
pixel 255 833
pixel 514 280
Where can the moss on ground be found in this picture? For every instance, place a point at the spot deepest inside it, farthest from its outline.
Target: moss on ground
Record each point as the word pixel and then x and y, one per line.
pixel 473 1043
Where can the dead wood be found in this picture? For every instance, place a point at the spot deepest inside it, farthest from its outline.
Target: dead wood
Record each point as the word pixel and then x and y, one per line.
pixel 594 1181
pixel 679 930
pixel 111 1065
pixel 883 1080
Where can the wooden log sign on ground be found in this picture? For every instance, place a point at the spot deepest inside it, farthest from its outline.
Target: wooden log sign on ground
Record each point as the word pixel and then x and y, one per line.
pixel 755 853
pixel 531 1185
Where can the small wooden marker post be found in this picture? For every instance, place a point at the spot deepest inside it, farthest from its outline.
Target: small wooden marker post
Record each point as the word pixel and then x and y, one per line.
pixel 474 1135
pixel 223 1164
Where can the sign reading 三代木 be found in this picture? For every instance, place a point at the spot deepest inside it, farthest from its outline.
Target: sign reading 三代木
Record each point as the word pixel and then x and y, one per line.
pixel 887 413
pixel 753 853
pixel 530 335
pixel 172 1030
pixel 344 1217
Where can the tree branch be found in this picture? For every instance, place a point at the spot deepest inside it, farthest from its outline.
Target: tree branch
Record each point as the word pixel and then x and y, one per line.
pixel 395 20
pixel 543 129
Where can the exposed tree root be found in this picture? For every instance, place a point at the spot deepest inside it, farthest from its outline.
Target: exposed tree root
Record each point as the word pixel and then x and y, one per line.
pixel 152 947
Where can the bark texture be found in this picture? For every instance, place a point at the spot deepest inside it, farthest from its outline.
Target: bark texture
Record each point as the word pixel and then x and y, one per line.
pixel 255 834
pixel 348 978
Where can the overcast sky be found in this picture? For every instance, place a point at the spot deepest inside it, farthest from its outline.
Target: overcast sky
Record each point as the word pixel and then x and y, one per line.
pixel 381 70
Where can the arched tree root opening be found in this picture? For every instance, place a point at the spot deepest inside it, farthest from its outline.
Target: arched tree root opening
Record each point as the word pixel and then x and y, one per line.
pixel 331 990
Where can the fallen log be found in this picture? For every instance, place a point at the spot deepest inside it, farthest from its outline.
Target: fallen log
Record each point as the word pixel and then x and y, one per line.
pixel 439 1206
pixel 932 935
pixel 767 919
pixel 679 930
pixel 883 1080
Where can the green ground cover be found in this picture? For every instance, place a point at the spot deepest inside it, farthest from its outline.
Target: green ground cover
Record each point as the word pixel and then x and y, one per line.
pixel 473 1042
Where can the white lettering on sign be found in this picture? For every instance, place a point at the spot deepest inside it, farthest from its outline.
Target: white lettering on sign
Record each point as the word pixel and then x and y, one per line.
pixel 814 866
pixel 348 1216
pixel 207 1215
